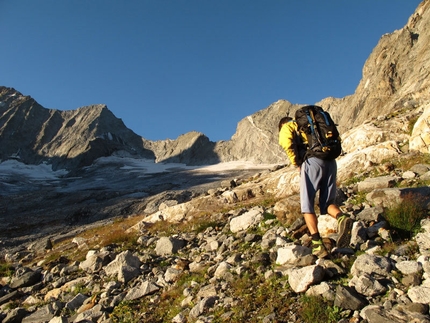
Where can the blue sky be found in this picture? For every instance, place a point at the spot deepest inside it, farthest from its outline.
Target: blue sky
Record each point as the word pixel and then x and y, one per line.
pixel 167 67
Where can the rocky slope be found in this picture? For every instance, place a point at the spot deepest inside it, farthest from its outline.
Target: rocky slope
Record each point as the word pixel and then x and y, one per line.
pixel 237 254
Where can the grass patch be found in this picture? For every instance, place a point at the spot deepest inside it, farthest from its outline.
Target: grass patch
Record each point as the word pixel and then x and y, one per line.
pixel 358 198
pixel 405 217
pixel 156 309
pixel 6 269
pixel 316 309
pixel 411 123
pixel 406 161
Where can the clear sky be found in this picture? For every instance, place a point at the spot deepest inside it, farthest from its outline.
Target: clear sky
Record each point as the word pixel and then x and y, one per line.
pixel 167 67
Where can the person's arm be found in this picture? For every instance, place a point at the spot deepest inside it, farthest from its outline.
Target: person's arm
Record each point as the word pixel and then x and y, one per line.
pixel 286 140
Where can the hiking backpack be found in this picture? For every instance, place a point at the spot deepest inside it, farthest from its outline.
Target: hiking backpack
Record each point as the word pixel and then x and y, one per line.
pixel 321 132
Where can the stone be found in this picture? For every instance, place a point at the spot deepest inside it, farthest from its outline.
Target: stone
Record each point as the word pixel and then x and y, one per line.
pixel 423 241
pixel 125 266
pixel 146 288
pixel 95 261
pixel 300 279
pixel 348 298
pixel 15 315
pixel 373 183
pixel 202 306
pixel 419 294
pixel 323 289
pixel 290 255
pixel 378 266
pixel 371 214
pixel 409 267
pixel 28 278
pixel 246 220
pixel 367 285
pixel 76 302
pixel 168 246
pixel 45 313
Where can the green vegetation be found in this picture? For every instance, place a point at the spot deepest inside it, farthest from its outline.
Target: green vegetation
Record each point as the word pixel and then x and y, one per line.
pixel 405 162
pixel 411 123
pixel 316 309
pixel 359 198
pixel 6 270
pixel 405 217
pixel 80 288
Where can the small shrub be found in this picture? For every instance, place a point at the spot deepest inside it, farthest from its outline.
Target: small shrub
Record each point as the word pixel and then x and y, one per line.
pixel 358 198
pixel 6 270
pixel 406 161
pixel 80 288
pixel 125 312
pixel 411 124
pixel 316 309
pixel 405 218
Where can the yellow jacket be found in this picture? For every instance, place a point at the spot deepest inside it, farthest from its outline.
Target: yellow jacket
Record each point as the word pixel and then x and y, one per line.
pixel 291 143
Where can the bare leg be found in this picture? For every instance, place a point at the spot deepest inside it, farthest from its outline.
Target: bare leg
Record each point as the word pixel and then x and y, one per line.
pixel 311 222
pixel 334 211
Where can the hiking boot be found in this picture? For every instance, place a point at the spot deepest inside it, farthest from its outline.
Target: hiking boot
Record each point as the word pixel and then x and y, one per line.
pixel 318 249
pixel 344 227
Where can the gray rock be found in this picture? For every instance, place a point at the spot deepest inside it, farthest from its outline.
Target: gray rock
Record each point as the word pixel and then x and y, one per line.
pixel 246 220
pixel 30 277
pixel 90 315
pixel 409 175
pixel 323 289
pixel 367 285
pixel 409 267
pixel 420 169
pixel 44 314
pixel 377 266
pixel 95 261
pixel 375 230
pixel 419 294
pixel 76 302
pixel 169 246
pixel 290 255
pixel 16 315
pixel 125 266
pixel 143 289
pixel 301 278
pixel 423 241
pixel 202 306
pixel 9 297
pixel 358 234
pixel 59 319
pixel 373 183
pixel 207 291
pixel 377 314
pixel 371 214
pixel 348 298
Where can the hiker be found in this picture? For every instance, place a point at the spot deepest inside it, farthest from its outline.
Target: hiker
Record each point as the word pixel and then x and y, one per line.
pixel 315 174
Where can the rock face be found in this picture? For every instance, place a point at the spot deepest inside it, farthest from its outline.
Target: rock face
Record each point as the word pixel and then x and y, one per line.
pixel 68 139
pixel 395 78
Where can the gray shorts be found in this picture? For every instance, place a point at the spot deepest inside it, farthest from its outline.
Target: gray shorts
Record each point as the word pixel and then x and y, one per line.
pixel 317 174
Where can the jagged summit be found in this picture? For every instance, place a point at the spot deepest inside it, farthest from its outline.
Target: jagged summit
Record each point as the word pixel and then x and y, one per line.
pixel 65 139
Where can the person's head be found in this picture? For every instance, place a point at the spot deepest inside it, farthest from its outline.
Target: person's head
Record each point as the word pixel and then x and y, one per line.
pixel 283 121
